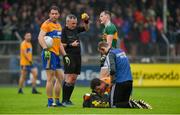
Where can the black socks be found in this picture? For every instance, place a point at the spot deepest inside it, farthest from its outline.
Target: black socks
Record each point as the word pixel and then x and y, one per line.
pixel 67 91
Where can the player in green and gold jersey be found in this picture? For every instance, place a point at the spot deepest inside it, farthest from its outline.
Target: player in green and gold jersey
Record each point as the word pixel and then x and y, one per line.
pixel 110 33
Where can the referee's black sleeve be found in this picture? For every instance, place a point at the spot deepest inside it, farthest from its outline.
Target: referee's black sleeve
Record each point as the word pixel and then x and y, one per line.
pixel 81 29
pixel 63 37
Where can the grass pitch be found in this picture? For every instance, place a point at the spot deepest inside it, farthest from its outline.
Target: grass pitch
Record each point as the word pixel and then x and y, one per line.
pixel 163 101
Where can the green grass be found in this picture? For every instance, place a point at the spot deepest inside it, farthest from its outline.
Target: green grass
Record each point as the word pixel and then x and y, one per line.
pixel 163 101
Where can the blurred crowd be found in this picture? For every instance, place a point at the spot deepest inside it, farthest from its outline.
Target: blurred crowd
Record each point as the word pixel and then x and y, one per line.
pixel 139 22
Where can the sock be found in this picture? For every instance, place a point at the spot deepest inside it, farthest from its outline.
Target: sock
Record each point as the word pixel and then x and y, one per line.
pixel 57 100
pixel 33 88
pixel 50 101
pixel 64 92
pixel 20 90
pixel 70 88
pixel 67 91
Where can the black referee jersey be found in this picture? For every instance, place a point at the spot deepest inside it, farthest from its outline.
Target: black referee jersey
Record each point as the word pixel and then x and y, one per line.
pixel 69 36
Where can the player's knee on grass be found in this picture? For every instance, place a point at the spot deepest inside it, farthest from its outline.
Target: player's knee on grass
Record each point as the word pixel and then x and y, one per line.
pixel 123 105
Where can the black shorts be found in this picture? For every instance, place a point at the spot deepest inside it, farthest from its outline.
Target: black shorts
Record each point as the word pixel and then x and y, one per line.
pixel 120 94
pixel 75 65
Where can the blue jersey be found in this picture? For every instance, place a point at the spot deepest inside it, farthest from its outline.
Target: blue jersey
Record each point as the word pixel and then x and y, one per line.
pixel 119 63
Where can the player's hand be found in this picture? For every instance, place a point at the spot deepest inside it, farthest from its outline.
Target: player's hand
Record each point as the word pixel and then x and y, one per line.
pixel 75 43
pixel 102 60
pixel 66 60
pixel 47 54
pixel 104 36
pixel 85 17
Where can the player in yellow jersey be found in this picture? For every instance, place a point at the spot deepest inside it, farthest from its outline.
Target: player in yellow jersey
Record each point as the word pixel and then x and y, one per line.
pixel 26 63
pixel 50 56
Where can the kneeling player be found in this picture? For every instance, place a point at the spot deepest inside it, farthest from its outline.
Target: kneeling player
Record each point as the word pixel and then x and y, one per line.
pixel 100 96
pixel 121 77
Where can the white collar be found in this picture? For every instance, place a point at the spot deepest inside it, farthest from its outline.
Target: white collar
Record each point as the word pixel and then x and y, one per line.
pixel 107 23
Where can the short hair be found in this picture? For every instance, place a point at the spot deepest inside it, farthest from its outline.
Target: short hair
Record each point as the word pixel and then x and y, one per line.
pixel 26 32
pixel 107 12
pixel 54 8
pixel 70 16
pixel 102 44
pixel 95 82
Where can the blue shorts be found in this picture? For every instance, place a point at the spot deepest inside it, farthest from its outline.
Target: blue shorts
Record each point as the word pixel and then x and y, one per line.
pixel 52 63
pixel 28 68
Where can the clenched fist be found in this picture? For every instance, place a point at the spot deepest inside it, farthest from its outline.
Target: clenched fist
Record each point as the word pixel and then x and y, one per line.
pixel 85 17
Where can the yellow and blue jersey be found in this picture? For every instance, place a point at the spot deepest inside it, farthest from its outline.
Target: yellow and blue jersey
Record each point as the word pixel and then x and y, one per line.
pixel 54 30
pixel 25 47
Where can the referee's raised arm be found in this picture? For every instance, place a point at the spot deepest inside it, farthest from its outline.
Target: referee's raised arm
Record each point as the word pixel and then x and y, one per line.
pixel 85 19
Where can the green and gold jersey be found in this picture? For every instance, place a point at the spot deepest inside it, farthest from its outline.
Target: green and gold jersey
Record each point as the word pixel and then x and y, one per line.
pixel 110 29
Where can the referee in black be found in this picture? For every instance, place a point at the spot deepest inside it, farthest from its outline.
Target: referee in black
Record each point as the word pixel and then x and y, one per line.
pixel 71 44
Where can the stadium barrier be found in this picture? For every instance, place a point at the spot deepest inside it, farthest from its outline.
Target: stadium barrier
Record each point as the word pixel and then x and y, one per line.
pixel 144 75
pixel 156 74
pixel 87 74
